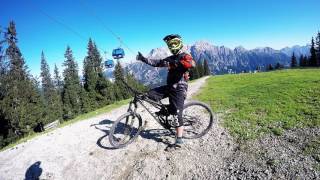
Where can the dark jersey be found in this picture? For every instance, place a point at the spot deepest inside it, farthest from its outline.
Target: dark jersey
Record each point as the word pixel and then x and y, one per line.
pixel 178 66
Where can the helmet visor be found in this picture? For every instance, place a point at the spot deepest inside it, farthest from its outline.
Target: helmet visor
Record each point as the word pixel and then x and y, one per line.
pixel 174 44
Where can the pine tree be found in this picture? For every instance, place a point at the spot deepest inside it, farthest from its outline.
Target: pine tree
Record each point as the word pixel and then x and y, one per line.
pixel 313 57
pixel 134 83
pixel 104 87
pixel 200 68
pixel 194 73
pixel 90 77
pixel 270 67
pixel 206 70
pixel 3 63
pixel 58 85
pixel 4 123
pixel 21 104
pixel 317 48
pixel 302 62
pixel 85 101
pixel 57 81
pixel 293 61
pixel 306 60
pixel 278 66
pixel 71 88
pixel 52 101
pixel 120 90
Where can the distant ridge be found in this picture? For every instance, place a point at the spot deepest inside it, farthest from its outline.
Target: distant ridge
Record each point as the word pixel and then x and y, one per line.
pixel 221 59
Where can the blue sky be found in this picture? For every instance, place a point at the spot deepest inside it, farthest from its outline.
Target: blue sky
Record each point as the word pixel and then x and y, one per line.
pixel 143 23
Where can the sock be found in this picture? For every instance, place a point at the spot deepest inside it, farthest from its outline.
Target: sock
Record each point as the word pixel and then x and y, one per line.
pixel 179 140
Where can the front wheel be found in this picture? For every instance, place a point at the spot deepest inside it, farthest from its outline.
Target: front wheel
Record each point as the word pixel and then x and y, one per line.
pixel 198 119
pixel 125 130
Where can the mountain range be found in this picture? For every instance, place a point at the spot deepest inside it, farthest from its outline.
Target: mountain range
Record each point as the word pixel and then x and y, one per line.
pixel 221 60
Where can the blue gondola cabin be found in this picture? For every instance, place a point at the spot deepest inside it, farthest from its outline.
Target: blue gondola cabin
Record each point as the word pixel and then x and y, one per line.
pixel 109 63
pixel 118 53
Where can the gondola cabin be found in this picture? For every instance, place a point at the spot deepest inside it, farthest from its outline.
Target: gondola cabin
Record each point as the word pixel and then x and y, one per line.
pixel 118 53
pixel 109 63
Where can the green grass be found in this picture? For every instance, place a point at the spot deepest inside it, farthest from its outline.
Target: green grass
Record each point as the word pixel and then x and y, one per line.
pixel 270 102
pixel 81 117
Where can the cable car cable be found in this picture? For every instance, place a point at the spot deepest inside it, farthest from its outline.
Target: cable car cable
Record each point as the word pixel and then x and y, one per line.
pixel 59 22
pixel 62 24
pixel 105 27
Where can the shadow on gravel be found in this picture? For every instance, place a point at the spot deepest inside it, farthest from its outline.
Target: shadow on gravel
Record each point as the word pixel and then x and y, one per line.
pixel 158 135
pixel 102 127
pixel 34 171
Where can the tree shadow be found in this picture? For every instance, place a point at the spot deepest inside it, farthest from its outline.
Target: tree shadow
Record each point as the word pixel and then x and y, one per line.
pixel 34 171
pixel 158 135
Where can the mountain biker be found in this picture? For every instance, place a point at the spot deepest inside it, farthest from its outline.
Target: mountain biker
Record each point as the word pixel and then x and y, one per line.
pixel 178 65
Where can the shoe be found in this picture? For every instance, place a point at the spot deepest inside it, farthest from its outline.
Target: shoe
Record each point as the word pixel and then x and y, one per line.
pixel 176 146
pixel 172 147
pixel 179 141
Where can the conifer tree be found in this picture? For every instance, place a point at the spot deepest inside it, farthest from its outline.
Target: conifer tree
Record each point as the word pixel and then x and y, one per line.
pixel 306 60
pixel 57 81
pixel 200 68
pixel 3 84
pixel 71 88
pixel 120 90
pixel 90 76
pixel 278 66
pixel 58 85
pixel 270 67
pixel 104 87
pixel 106 90
pixel 313 56
pixel 317 48
pixel 21 102
pixel 293 61
pixel 302 63
pixel 98 88
pixel 194 73
pixel 3 63
pixel 52 101
pixel 85 101
pixel 132 82
pixel 206 70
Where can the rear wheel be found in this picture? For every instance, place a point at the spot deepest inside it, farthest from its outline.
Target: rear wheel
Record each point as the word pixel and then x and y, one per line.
pixel 198 119
pixel 125 130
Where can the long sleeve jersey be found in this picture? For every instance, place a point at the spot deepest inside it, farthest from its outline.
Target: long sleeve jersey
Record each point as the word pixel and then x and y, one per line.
pixel 178 65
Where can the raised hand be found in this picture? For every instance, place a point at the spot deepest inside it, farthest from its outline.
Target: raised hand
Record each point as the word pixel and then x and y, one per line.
pixel 140 57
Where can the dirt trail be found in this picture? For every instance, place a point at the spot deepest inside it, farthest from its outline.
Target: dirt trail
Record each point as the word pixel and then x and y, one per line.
pixel 82 151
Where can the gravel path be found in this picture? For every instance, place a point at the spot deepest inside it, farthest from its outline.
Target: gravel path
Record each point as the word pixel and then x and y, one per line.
pixel 82 151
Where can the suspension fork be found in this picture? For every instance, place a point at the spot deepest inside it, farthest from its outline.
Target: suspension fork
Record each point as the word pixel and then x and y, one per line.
pixel 133 110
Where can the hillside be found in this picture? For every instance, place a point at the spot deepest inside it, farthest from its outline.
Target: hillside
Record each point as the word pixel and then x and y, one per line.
pixel 260 133
pixel 255 104
pixel 275 119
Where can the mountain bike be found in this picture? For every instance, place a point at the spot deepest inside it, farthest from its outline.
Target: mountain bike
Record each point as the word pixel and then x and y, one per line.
pixel 197 116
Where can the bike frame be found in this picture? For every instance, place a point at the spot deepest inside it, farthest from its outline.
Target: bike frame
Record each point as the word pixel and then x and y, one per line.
pixel 139 98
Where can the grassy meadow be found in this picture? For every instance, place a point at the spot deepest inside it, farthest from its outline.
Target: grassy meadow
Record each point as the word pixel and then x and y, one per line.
pixel 267 102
